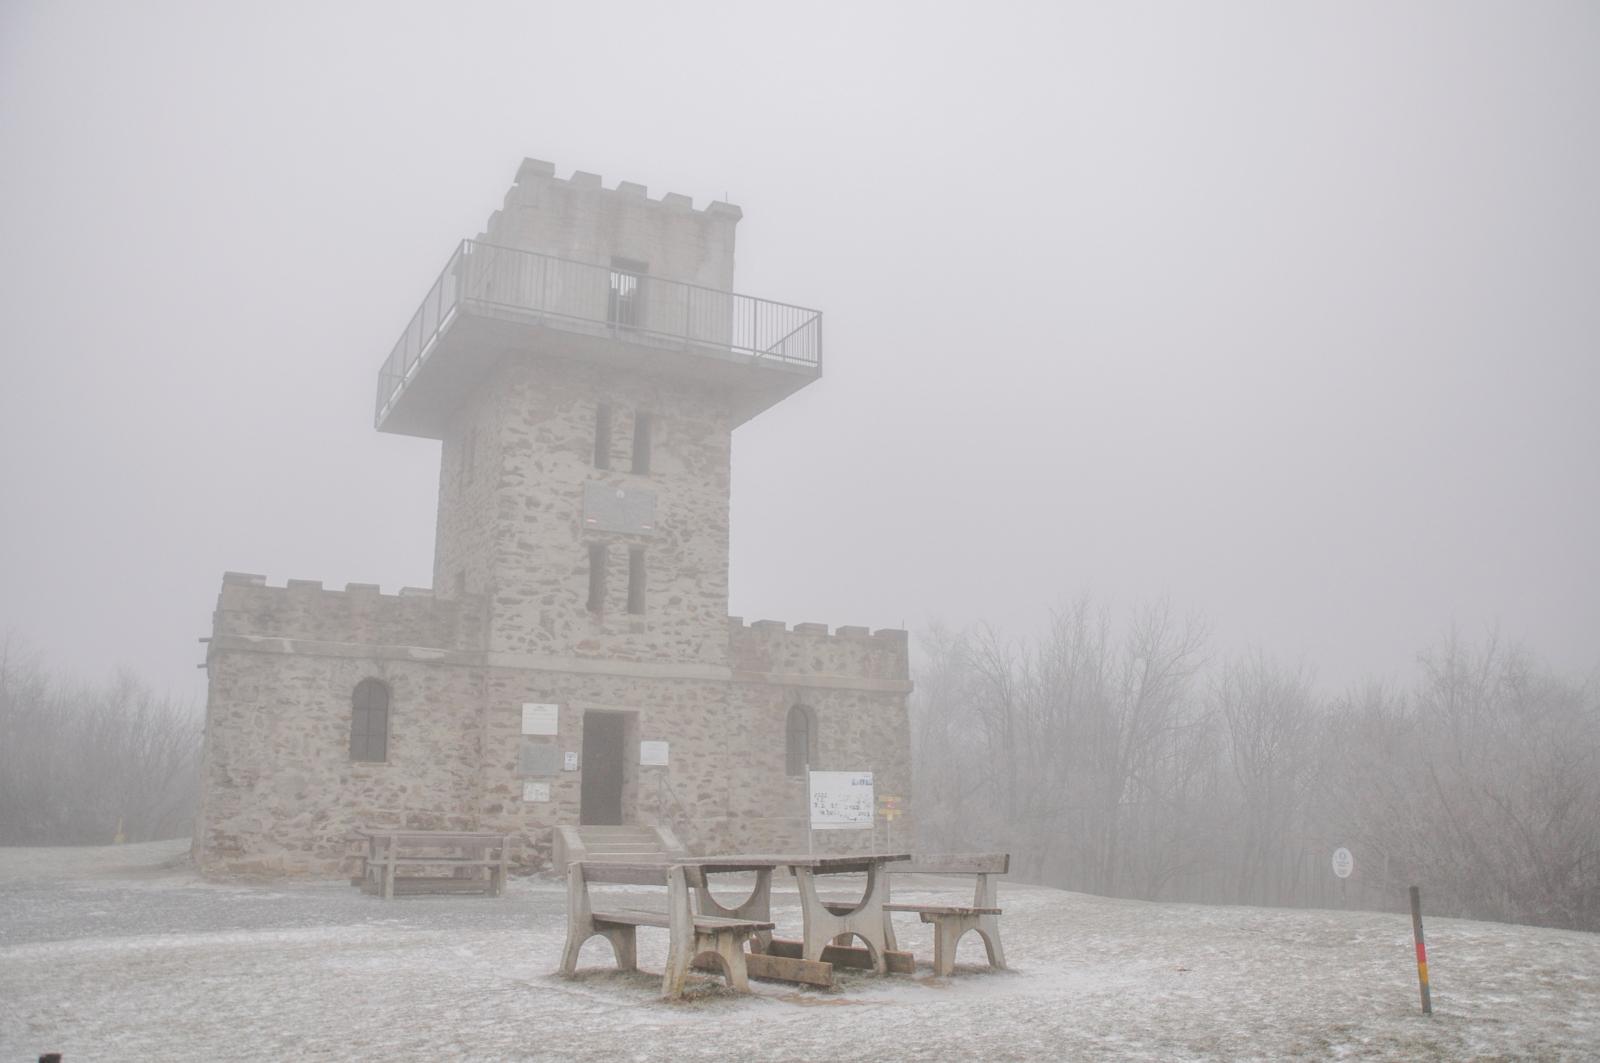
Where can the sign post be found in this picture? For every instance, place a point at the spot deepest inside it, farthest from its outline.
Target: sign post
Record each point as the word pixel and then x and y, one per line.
pixel 811 836
pixel 889 808
pixel 1422 949
pixel 1343 864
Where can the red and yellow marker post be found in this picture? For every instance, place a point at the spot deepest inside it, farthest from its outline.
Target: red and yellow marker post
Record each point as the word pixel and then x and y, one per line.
pixel 1422 949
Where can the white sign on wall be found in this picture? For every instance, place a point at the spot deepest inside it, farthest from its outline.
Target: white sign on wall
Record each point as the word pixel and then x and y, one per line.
pixel 540 719
pixel 569 761
pixel 1343 862
pixel 536 791
pixel 653 754
pixel 841 800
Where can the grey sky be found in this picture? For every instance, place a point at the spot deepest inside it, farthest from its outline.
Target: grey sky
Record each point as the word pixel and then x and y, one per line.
pixel 1285 311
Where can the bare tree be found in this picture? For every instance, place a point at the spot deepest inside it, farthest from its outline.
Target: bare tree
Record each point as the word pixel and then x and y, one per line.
pixel 82 764
pixel 1096 759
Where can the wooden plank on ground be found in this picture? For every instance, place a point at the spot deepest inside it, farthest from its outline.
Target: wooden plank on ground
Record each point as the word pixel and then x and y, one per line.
pixel 852 956
pixel 772 968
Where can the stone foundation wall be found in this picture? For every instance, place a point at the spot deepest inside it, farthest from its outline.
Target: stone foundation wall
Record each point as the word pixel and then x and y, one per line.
pixel 279 791
pixel 280 794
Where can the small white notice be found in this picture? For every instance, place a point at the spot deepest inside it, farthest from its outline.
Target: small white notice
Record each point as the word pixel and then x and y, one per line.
pixel 540 719
pixel 653 754
pixel 1343 862
pixel 536 791
pixel 841 800
pixel 569 761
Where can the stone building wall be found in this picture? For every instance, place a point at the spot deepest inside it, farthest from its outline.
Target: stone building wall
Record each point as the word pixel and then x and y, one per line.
pixel 278 790
pixel 855 684
pixel 512 519
pixel 280 795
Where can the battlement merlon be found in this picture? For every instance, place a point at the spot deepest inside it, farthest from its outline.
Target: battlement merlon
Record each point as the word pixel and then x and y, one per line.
pixel 579 218
pixel 770 647
pixel 251 614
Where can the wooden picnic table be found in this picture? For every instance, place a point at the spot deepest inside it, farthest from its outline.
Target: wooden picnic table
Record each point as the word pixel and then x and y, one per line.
pixel 828 922
pixel 482 855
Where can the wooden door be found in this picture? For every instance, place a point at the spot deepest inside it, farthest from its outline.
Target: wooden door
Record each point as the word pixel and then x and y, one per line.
pixel 604 761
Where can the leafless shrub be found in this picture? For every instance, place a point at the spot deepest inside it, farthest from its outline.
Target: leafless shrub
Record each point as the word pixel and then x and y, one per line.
pixel 1105 760
pixel 80 762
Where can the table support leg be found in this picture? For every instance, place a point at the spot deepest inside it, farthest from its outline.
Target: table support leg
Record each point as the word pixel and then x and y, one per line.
pixel 757 906
pixel 823 924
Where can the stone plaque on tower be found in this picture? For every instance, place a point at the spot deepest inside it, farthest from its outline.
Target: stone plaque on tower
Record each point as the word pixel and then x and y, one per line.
pixel 630 510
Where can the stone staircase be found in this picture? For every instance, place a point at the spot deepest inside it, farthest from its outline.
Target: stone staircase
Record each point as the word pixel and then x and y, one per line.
pixel 616 845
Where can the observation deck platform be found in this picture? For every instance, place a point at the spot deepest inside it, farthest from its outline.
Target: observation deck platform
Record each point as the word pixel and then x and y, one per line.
pixel 491 302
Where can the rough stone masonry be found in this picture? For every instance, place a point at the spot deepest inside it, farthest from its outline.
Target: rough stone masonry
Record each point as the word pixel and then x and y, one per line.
pixel 584 363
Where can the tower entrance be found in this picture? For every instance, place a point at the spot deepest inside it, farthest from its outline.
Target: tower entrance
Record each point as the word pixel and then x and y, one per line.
pixel 604 767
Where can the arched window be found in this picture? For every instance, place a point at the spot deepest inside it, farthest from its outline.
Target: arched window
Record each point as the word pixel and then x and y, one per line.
pixel 369 721
pixel 800 740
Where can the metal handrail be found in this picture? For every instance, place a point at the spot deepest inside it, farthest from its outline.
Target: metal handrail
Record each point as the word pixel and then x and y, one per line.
pixel 584 297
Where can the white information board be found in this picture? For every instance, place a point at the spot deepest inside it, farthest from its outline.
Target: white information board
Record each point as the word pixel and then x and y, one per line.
pixel 1343 862
pixel 841 800
pixel 538 719
pixel 653 754
pixel 536 791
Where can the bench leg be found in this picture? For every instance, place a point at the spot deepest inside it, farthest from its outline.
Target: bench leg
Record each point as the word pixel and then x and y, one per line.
pixel 989 929
pixel 624 946
pixel 569 953
pixel 728 948
pixel 680 954
pixel 947 931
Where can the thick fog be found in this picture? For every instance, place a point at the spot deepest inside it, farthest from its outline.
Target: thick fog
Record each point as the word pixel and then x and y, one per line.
pixel 1286 313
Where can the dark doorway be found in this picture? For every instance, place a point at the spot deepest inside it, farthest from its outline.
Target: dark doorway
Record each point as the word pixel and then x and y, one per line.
pixel 603 766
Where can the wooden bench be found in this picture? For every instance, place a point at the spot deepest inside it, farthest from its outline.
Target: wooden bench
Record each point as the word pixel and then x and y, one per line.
pixel 951 921
pixel 483 856
pixel 693 940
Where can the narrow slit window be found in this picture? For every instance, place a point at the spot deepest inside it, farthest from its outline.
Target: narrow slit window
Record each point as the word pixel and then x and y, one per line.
pixel 369 722
pixel 800 736
pixel 597 577
pixel 642 423
pixel 636 579
pixel 602 436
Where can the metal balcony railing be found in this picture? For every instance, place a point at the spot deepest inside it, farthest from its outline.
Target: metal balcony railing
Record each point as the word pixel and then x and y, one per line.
pixel 598 300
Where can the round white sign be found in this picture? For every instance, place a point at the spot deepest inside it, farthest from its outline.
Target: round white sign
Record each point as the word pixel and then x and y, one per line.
pixel 1343 862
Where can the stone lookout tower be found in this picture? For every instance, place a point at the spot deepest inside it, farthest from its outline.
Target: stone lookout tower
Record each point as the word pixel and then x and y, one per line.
pixel 584 362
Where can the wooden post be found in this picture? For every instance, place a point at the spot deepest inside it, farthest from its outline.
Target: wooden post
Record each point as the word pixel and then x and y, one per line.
pixel 1422 950
pixel 811 841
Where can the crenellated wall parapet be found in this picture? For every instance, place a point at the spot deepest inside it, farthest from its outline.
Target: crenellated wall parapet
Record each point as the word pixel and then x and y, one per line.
pixel 579 218
pixel 306 610
pixel 773 648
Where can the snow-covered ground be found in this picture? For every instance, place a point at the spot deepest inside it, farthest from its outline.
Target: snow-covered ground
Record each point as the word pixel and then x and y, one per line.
pixel 124 954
